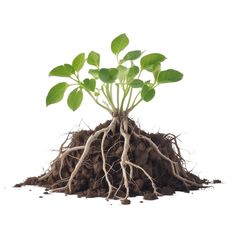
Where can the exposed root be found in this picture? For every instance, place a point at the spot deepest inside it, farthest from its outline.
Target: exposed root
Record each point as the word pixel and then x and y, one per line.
pixel 124 156
pixel 65 154
pixel 149 177
pixel 90 140
pixel 108 129
pixel 58 157
pixel 172 163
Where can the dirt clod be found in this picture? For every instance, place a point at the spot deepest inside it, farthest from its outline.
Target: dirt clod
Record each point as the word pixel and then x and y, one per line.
pixel 149 196
pixel 125 202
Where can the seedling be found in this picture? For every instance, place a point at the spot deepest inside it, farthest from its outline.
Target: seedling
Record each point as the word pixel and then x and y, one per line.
pixel 117 159
pixel 118 90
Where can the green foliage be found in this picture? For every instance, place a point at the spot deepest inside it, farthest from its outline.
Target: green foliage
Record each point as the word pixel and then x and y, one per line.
pixel 119 44
pixel 136 83
pixel 147 93
pixel 90 84
pixel 56 93
pixel 62 71
pixel 94 73
pixel 78 62
pixel 169 76
pixel 149 61
pixel 75 99
pixel 133 55
pixel 133 71
pixel 108 75
pixel 93 59
pixel 118 89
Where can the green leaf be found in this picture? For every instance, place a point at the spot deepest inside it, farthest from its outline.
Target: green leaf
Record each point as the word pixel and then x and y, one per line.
pixel 136 83
pixel 122 72
pixel 78 62
pixel 108 75
pixel 147 93
pixel 156 71
pixel 119 44
pixel 169 76
pixel 93 59
pixel 75 99
pixel 90 84
pixel 133 55
pixel 60 71
pixel 69 69
pixel 56 93
pixel 149 61
pixel 94 73
pixel 133 71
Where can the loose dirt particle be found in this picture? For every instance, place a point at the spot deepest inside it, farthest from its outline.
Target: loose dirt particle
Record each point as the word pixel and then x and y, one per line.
pixel 125 202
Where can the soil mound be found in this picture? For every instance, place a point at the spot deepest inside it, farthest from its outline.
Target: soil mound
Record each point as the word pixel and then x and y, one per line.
pixel 153 164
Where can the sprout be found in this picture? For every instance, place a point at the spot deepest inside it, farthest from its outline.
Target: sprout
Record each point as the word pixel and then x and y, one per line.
pixel 119 89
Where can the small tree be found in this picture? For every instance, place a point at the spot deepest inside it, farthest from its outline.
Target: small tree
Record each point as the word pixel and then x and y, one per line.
pixel 117 90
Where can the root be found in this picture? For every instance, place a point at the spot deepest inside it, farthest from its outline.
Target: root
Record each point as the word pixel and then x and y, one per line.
pixel 65 154
pixel 124 156
pixel 46 175
pixel 149 177
pixel 174 165
pixel 90 140
pixel 108 129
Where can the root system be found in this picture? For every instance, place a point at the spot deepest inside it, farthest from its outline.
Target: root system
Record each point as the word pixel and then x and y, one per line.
pixel 118 160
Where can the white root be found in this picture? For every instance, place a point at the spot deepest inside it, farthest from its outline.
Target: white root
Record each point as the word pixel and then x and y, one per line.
pixel 90 140
pixel 108 129
pixel 56 159
pixel 65 154
pixel 131 172
pixel 172 163
pixel 124 156
pixel 149 177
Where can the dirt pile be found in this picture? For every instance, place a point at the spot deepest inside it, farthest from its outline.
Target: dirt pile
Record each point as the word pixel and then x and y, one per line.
pixel 153 165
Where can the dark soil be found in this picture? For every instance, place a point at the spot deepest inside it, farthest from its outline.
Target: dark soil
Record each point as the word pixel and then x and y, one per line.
pixel 90 181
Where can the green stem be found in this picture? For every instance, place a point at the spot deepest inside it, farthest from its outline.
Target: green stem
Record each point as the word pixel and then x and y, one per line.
pixel 135 98
pixel 130 96
pixel 118 96
pixel 109 96
pixel 123 99
pixel 76 80
pixel 106 95
pixel 133 106
pixel 98 103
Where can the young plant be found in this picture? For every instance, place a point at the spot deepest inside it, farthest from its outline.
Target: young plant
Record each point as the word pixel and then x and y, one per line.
pixel 119 89
pixel 117 159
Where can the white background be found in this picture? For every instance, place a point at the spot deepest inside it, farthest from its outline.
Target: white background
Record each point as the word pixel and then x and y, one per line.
pixel 197 37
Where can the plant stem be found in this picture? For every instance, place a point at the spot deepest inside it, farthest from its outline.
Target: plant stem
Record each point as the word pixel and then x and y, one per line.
pixel 106 95
pixel 123 99
pixel 95 100
pixel 133 106
pixel 135 98
pixel 130 96
pixel 109 98
pixel 118 96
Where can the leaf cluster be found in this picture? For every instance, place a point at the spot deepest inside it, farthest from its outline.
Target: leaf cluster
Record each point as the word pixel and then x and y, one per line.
pixel 118 89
